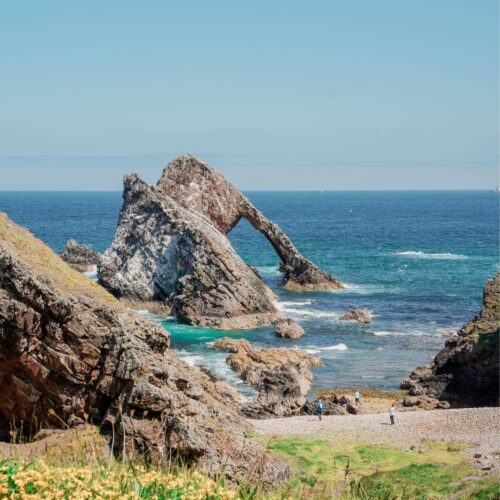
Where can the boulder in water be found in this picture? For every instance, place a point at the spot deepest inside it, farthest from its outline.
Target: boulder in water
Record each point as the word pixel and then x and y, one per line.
pixel 80 257
pixel 288 328
pixel 356 314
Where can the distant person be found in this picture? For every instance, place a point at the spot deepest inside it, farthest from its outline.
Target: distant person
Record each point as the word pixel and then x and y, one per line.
pixel 343 401
pixel 319 408
pixel 357 397
pixel 392 412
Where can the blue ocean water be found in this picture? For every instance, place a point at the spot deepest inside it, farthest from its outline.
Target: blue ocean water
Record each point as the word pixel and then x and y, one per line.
pixel 417 260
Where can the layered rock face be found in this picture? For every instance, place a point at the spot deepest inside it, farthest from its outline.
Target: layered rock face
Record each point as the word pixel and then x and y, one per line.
pixel 80 257
pixel 197 186
pixel 71 353
pixel 466 371
pixel 282 376
pixel 163 251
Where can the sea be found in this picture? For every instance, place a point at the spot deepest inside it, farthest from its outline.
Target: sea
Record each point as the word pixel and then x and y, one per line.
pixel 416 259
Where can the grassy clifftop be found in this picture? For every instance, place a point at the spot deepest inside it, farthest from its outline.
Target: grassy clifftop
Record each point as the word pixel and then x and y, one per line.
pixel 45 262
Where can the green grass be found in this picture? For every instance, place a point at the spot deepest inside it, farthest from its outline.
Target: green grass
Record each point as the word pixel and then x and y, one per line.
pixel 341 469
pixel 423 481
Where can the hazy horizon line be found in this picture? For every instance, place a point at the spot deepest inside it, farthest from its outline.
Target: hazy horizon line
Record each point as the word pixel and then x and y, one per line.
pixel 488 189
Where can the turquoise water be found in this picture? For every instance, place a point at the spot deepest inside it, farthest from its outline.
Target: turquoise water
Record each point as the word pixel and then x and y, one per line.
pixel 417 260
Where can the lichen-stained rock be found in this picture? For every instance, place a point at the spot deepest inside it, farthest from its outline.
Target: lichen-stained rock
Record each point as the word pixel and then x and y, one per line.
pixel 466 371
pixel 283 376
pixel 163 251
pixel 197 186
pixel 67 355
pixel 80 257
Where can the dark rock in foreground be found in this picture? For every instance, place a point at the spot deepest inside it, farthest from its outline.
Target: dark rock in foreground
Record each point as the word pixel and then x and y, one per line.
pixel 331 405
pixel 465 373
pixel 69 353
pixel 163 251
pixel 197 186
pixel 282 376
pixel 80 257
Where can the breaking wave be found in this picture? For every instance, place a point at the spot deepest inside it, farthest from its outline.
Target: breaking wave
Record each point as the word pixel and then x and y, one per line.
pixel 313 349
pixel 269 270
pixel 439 332
pixel 423 255
pixel 92 274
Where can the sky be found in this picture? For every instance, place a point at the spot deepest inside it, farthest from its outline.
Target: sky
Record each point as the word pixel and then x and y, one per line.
pixel 282 94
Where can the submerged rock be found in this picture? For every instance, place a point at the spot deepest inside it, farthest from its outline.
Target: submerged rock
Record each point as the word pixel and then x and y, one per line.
pixel 359 315
pixel 465 372
pixel 282 376
pixel 197 186
pixel 288 328
pixel 80 257
pixel 69 352
pixel 163 251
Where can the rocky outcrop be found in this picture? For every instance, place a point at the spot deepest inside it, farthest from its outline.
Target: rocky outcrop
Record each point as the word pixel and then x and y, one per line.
pixel 197 186
pixel 359 315
pixel 163 251
pixel 80 257
pixel 466 371
pixel 282 376
pixel 287 328
pixel 71 353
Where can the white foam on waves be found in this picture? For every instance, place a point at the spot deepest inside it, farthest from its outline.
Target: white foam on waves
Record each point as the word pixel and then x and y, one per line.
pixel 360 289
pixel 269 270
pixel 92 274
pixel 439 332
pixel 424 255
pixel 293 308
pixel 313 349
pixel 216 363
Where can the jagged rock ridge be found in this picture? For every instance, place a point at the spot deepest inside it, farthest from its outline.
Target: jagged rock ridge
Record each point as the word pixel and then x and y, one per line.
pixel 466 371
pixel 197 186
pixel 68 356
pixel 163 251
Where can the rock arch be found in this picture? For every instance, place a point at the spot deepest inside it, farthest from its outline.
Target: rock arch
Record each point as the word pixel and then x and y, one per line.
pixel 196 185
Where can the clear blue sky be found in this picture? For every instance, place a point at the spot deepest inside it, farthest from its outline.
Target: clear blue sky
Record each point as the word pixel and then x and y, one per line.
pixel 285 94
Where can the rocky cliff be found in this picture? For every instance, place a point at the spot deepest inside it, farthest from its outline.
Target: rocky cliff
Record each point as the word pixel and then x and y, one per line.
pixel 163 251
pixel 466 371
pixel 197 186
pixel 70 353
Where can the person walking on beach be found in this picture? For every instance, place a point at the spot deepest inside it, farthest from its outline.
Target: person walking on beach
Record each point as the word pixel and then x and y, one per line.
pixel 392 412
pixel 319 408
pixel 357 397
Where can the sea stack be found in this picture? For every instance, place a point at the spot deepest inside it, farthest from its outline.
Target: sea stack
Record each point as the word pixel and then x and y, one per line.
pixel 465 372
pixel 197 186
pixel 164 251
